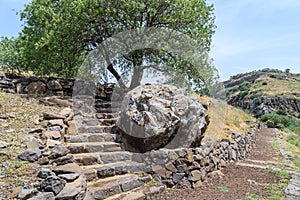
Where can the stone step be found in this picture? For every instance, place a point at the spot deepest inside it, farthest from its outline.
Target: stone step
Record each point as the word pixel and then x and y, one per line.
pixel 102 157
pixel 91 147
pixel 93 172
pixel 107 110
pixel 104 188
pixel 95 129
pixel 140 193
pixel 92 137
pixel 106 115
pixel 99 122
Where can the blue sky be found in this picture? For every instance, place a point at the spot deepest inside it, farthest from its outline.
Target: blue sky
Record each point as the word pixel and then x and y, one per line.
pixel 251 34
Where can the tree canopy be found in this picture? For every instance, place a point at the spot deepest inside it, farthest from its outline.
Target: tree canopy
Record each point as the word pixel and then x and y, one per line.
pixel 58 34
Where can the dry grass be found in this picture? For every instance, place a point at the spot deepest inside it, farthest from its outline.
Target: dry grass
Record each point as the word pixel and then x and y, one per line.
pixel 277 86
pixel 22 113
pixel 225 119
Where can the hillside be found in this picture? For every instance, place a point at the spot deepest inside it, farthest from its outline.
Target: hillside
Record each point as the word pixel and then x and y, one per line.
pixel 272 96
pixel 265 91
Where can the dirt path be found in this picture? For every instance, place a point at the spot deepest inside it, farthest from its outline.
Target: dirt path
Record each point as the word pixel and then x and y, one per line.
pixel 249 179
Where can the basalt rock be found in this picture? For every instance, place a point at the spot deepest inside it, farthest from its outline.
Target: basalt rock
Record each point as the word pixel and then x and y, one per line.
pixel 156 116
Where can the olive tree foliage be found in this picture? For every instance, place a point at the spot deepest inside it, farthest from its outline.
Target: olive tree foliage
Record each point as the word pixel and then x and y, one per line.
pixel 10 54
pixel 58 34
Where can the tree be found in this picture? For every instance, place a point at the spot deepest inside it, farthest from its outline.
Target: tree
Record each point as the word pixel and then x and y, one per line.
pixel 59 33
pixel 10 53
pixel 287 70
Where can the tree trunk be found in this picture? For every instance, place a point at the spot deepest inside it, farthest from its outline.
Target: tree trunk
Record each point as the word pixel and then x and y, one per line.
pixel 137 70
pixel 112 70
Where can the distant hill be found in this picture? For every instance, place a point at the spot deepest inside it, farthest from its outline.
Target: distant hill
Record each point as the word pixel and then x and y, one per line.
pixel 265 91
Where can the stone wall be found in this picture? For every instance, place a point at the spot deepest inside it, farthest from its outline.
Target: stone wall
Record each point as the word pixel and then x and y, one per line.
pixel 186 168
pixel 48 86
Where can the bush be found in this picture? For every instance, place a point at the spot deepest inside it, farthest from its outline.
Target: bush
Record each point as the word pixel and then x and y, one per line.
pixel 281 121
pixel 281 112
pixel 243 94
pixel 264 83
pixel 298 116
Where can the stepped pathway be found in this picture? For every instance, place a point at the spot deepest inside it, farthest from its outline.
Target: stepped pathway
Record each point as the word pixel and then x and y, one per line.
pixel 109 169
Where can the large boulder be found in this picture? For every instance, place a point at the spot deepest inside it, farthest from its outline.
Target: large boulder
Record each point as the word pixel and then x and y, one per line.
pixel 156 116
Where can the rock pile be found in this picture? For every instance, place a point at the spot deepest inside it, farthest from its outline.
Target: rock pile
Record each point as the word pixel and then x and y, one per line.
pixel 156 116
pixel 59 177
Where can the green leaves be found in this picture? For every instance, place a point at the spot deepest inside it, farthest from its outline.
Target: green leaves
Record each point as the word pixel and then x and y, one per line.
pixel 59 33
pixel 10 53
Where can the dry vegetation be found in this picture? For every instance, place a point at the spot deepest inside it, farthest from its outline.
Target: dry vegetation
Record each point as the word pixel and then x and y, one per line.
pixel 22 113
pixel 225 119
pixel 277 86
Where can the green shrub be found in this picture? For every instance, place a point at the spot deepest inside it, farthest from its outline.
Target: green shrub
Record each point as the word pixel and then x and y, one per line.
pixel 264 83
pixel 298 116
pixel 281 112
pixel 275 120
pixel 243 94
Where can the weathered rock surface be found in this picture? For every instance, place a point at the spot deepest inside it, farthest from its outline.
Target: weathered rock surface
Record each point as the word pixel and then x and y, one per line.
pixel 155 116
pixel 52 184
pixel 30 155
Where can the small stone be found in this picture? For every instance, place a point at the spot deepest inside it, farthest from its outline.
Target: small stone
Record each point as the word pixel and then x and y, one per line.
pixel 33 143
pixel 36 87
pixel 161 171
pixel 35 119
pixel 51 143
pixel 177 177
pixel 54 135
pixel 56 122
pixel 64 160
pixel 223 163
pixel 30 155
pixel 66 112
pixel 183 183
pixel 73 190
pixel 43 161
pixel 54 85
pixel 27 192
pixel 197 184
pixel 58 151
pixel 44 173
pixel 171 167
pixel 72 128
pixel 195 175
pixel 54 128
pixel 69 177
pixel 43 196
pixel 4 145
pixel 67 169
pixel 48 116
pixel 52 184
pixel 189 155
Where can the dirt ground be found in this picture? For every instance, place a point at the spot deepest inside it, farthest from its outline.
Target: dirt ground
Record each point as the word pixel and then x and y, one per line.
pixel 239 182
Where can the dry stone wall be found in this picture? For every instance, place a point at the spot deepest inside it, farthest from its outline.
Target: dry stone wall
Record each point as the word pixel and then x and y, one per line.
pixel 186 168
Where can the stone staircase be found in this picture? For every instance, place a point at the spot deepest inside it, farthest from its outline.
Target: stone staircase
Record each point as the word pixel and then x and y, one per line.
pixel 110 171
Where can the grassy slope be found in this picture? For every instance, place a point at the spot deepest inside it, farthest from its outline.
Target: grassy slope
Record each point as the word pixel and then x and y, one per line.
pixel 23 113
pixel 225 119
pixel 276 83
